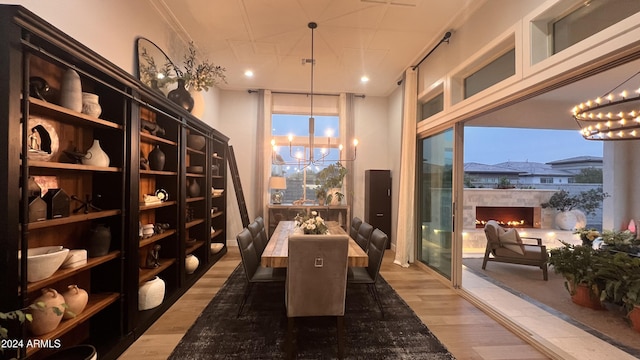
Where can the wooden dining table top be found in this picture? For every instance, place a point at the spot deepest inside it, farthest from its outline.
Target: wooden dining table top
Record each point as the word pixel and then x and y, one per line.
pixel 276 252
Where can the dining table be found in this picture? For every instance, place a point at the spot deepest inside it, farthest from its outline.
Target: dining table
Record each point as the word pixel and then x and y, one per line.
pixel 276 252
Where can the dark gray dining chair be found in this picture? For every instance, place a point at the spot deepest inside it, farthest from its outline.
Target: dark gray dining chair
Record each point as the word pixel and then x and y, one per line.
pixel 254 272
pixel 316 282
pixel 355 226
pixel 259 234
pixel 364 235
pixel 368 275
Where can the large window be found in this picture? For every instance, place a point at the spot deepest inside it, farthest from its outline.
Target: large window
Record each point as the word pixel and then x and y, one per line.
pixel 291 161
pixel 591 17
pixel 491 74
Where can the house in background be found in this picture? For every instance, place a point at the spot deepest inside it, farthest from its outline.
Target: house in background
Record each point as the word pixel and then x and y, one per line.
pixel 529 174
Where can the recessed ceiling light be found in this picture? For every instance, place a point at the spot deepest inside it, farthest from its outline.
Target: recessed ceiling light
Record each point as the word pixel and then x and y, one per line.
pixel 364 79
pixel 248 73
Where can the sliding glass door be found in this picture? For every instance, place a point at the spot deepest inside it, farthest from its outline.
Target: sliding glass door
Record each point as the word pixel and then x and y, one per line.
pixel 435 187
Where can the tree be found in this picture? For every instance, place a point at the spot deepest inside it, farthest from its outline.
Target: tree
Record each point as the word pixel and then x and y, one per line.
pixel 589 176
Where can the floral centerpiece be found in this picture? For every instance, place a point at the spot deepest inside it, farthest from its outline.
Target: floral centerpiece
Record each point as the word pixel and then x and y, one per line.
pixel 200 75
pixel 587 235
pixel 311 224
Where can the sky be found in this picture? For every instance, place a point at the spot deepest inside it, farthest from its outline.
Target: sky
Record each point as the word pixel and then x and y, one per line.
pixel 491 145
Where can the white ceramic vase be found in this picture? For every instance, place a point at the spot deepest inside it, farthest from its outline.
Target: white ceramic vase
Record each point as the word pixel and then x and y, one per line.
pixel 566 220
pixel 95 156
pixel 91 105
pixel 191 263
pixel 151 294
pixel 581 218
pixel 71 91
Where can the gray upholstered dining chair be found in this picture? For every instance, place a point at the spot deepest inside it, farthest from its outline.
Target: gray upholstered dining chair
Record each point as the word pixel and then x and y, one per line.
pixel 254 272
pixel 259 234
pixel 355 226
pixel 316 282
pixel 364 235
pixel 369 275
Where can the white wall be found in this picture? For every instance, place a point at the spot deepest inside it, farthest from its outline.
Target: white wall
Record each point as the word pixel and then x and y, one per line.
pixel 237 119
pixel 109 28
pixel 394 118
pixel 371 129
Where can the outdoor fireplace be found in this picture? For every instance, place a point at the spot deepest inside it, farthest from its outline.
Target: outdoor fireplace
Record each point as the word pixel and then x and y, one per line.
pixel 509 216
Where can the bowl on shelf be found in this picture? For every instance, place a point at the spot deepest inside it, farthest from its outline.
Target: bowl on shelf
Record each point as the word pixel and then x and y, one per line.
pixel 216 247
pixel 216 192
pixel 196 141
pixel 196 169
pixel 43 261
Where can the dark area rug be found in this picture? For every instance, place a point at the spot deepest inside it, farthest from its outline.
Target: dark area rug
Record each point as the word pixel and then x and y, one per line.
pixel 259 333
pixel 526 282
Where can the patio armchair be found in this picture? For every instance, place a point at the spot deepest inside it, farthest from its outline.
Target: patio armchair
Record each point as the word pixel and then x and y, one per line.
pixel 507 246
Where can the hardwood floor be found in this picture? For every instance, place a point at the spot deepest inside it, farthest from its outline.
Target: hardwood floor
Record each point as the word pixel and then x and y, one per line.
pixel 465 330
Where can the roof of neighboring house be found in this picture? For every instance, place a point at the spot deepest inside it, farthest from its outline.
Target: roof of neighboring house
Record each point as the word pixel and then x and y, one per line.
pixel 473 167
pixel 577 159
pixel 527 168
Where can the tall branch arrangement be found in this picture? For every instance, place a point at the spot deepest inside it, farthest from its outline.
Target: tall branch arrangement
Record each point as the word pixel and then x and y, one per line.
pixel 200 75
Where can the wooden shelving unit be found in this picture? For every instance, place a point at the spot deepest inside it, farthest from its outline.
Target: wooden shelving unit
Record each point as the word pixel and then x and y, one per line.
pixel 115 192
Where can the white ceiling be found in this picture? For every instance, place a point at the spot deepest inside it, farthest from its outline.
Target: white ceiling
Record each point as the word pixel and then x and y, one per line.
pixel 354 38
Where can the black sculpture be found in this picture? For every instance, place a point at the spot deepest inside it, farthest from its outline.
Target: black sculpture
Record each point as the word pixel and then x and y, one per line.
pixel 153 128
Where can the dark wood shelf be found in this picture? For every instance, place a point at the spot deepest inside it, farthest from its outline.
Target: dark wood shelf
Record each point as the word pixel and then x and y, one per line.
pixel 193 247
pixel 148 274
pixel 157 237
pixel 69 166
pixel 144 207
pixel 73 219
pixel 216 214
pixel 194 199
pixel 216 233
pixel 195 175
pixel 157 172
pixel 146 137
pixel 193 223
pixel 64 273
pixel 60 113
pixel 194 151
pixel 96 303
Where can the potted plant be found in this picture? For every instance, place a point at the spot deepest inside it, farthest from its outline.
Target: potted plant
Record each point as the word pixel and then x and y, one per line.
pixel 330 180
pixel 620 241
pixel 619 276
pixel 575 263
pixel 564 203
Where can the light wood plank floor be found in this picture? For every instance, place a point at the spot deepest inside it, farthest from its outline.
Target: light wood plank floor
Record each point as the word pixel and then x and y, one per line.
pixel 466 331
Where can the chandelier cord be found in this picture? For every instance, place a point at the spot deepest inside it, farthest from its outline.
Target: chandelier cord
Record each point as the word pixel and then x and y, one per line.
pixel 618 86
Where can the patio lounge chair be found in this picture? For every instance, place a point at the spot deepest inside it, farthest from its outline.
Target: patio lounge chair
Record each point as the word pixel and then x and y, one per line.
pixel 507 246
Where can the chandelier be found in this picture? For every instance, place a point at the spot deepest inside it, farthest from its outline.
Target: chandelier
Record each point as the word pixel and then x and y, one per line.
pixel 615 116
pixel 308 157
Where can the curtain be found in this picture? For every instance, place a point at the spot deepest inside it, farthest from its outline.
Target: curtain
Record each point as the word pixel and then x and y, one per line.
pixel 347 131
pixel 405 233
pixel 263 150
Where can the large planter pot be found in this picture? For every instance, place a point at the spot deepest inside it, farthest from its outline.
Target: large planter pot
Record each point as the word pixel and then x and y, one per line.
pixel 584 295
pixel 581 218
pixel 566 220
pixel 634 317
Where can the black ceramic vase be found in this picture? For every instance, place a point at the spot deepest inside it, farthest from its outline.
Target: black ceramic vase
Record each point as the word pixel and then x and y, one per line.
pixel 99 241
pixel 156 159
pixel 181 96
pixel 193 188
